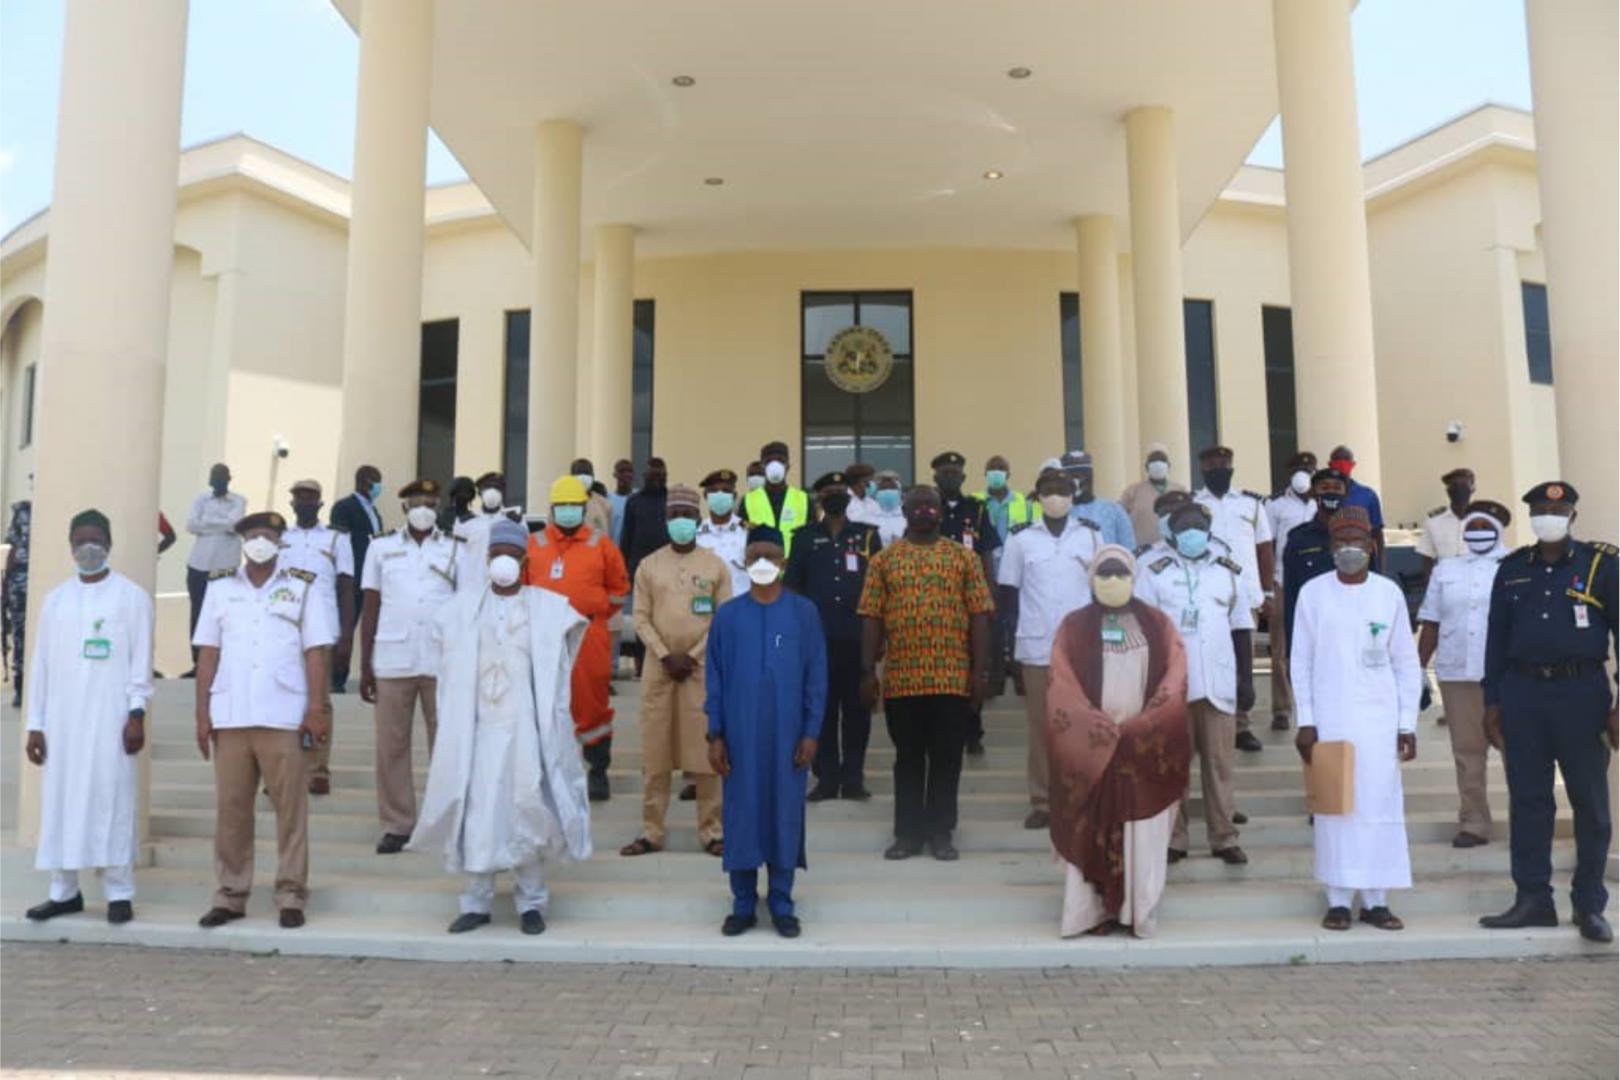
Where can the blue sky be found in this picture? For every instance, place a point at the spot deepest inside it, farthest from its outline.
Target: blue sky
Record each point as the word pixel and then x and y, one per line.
pixel 1418 64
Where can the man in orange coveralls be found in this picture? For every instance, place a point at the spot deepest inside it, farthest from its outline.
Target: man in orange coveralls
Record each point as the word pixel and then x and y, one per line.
pixel 581 563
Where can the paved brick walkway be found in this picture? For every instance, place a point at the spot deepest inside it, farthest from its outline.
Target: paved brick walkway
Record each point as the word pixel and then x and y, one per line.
pixel 89 1011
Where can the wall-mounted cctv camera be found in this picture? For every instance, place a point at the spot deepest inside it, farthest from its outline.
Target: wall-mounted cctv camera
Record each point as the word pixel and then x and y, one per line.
pixel 1454 431
pixel 281 446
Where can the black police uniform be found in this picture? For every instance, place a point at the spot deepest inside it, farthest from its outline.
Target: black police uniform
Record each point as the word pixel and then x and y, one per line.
pixel 1307 554
pixel 830 571
pixel 1551 625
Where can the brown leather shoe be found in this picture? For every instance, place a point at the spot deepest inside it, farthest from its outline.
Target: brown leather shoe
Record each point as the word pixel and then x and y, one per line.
pixel 320 785
pixel 291 918
pixel 217 916
pixel 1467 840
pixel 1232 856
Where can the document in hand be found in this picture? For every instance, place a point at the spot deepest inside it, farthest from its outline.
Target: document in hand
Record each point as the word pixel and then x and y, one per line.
pixel 1330 778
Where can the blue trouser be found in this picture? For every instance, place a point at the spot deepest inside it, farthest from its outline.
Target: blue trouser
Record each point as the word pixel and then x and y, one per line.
pixel 745 891
pixel 1557 722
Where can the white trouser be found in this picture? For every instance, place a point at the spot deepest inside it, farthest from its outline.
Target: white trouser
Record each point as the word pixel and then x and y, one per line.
pixel 529 892
pixel 1370 898
pixel 117 882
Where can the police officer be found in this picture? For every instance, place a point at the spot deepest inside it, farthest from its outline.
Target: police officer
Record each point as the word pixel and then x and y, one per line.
pixel 409 575
pixel 720 530
pixel 1309 549
pixel 325 552
pixel 263 638
pixel 828 567
pixel 1554 613
pixel 965 520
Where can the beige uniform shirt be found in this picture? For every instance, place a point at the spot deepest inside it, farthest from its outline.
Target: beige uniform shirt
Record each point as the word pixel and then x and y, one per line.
pixel 1138 500
pixel 676 597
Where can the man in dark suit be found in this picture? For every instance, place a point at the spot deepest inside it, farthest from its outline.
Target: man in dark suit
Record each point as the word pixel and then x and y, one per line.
pixel 357 515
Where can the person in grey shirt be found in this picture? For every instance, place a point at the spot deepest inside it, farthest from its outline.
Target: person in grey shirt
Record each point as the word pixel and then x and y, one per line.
pixel 212 521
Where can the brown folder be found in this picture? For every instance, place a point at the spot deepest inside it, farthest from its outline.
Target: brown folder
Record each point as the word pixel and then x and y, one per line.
pixel 1330 778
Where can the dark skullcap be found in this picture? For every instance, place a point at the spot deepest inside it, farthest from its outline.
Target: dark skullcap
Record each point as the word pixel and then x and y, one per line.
pixel 91 517
pixel 765 534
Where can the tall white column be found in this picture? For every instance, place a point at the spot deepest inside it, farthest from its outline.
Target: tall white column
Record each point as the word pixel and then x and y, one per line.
pixel 1127 354
pixel 100 391
pixel 1336 384
pixel 554 318
pixel 614 336
pixel 1161 344
pixel 1573 58
pixel 382 319
pixel 1102 375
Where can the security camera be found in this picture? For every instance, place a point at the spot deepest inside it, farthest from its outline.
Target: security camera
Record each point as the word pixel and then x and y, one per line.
pixel 281 447
pixel 1454 431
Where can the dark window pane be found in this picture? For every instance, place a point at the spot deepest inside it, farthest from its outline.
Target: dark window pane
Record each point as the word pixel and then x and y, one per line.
pixel 1203 426
pixel 890 315
pixel 1537 332
pixel 1074 419
pixel 824 315
pixel 1277 329
pixel 890 405
pixel 840 427
pixel 28 405
pixel 641 388
pixel 436 403
pixel 515 419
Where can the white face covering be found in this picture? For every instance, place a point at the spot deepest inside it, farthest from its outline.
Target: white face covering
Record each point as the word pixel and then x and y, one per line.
pixel 1158 470
pixel 763 572
pixel 1549 528
pixel 1480 538
pixel 421 518
pixel 1056 506
pixel 1300 482
pixel 260 549
pixel 504 570
pixel 91 559
pixel 755 482
pixel 775 472
pixel 585 478
pixel 491 498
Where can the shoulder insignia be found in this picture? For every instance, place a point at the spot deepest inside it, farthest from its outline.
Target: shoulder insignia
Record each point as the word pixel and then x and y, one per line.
pixel 1437 511
pixel 1605 549
pixel 1088 523
pixel 217 574
pixel 1255 495
pixel 1159 566
pixel 302 575
pixel 1222 560
pixel 1141 549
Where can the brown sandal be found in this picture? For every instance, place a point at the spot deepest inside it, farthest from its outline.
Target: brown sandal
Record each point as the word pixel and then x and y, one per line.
pixel 715 847
pixel 640 846
pixel 1337 918
pixel 1382 918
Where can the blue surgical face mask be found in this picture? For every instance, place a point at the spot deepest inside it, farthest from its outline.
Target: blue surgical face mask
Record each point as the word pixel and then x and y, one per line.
pixel 721 502
pixel 682 530
pixel 888 499
pixel 376 490
pixel 996 478
pixel 568 516
pixel 1192 542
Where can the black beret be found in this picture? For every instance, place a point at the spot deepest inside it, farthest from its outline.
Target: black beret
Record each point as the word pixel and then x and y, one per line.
pixel 1489 508
pixel 1216 451
pixel 264 519
pixel 1459 472
pixel 1327 474
pixel 1189 512
pixel 765 534
pixel 489 479
pixel 1304 459
pixel 1553 491
pixel 1169 501
pixel 949 457
pixel 419 487
pixel 718 477
pixel 828 479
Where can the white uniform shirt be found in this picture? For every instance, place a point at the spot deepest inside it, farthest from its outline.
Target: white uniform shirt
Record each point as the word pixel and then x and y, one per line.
pixel 863 509
pixel 412 582
pixel 1458 599
pixel 891 524
pixel 729 542
pixel 1441 537
pixel 1285 512
pixel 1239 518
pixel 262 634
pixel 474 536
pixel 324 552
pixel 1052 576
pixel 212 521
pixel 1206 600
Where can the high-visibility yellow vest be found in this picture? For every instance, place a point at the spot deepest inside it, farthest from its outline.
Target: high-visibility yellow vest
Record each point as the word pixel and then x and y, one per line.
pixel 795 513
pixel 1020 511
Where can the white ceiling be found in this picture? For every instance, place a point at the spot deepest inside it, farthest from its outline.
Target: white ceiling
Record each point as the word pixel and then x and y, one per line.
pixel 839 123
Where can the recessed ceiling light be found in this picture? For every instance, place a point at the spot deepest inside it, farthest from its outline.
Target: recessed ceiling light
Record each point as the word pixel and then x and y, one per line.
pixel 993 174
pixel 684 80
pixel 1019 73
pixel 714 181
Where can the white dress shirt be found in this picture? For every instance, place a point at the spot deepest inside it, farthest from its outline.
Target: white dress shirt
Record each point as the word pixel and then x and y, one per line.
pixel 891 524
pixel 1458 600
pixel 1052 576
pixel 1206 599
pixel 324 552
pixel 864 509
pixel 371 511
pixel 1441 537
pixel 729 542
pixel 1285 512
pixel 412 580
pixel 1239 518
pixel 262 634
pixel 212 521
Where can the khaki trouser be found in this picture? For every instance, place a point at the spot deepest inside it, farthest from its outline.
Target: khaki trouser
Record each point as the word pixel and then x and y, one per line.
pixel 1465 720
pixel 242 757
pixel 655 805
pixel 1212 735
pixel 396 709
pixel 318 759
pixel 1036 677
pixel 1282 688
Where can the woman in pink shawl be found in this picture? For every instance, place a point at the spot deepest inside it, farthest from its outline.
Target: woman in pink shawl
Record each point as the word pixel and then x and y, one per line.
pixel 1116 718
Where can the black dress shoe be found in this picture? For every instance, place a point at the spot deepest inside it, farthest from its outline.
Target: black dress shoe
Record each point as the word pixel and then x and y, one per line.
pixel 1037 819
pixel 120 911
pixel 1594 927
pixel 50 909
pixel 786 925
pixel 1247 742
pixel 218 916
pixel 1279 722
pixel 688 793
pixel 1522 913
pixel 1232 856
pixel 16 699
pixel 469 920
pixel 857 793
pixel 596 786
pixel 974 748
pixel 532 922
pixel 821 793
pixel 1239 818
pixel 944 850
pixel 392 843
pixel 738 924
pixel 902 849
pixel 1467 840
pixel 1174 855
pixel 291 918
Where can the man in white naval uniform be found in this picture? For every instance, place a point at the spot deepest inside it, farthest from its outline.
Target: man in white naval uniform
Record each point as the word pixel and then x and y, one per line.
pixel 327 553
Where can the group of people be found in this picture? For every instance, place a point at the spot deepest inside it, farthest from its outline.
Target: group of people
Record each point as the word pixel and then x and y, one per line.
pixel 779 618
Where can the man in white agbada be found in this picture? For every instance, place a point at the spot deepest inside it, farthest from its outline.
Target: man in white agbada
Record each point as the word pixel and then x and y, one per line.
pixel 1357 678
pixel 89 682
pixel 506 786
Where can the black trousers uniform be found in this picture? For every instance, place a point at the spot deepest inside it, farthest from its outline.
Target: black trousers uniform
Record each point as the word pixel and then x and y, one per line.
pixel 841 755
pixel 929 732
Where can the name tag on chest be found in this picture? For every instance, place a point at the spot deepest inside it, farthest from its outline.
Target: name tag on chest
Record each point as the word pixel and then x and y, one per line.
pixel 97 648
pixel 703 605
pixel 852 562
pixel 1113 635
pixel 1583 617
pixel 1189 618
pixel 556 570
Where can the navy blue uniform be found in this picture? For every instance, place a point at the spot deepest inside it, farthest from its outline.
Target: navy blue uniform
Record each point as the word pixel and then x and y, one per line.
pixel 1551 625
pixel 831 571
pixel 966 520
pixel 1308 554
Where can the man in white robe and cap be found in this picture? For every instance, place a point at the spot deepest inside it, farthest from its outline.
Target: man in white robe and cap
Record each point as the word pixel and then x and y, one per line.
pixel 506 786
pixel 89 682
pixel 1357 679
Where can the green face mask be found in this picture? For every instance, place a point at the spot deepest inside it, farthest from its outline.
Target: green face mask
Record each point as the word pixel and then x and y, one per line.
pixel 682 530
pixel 996 478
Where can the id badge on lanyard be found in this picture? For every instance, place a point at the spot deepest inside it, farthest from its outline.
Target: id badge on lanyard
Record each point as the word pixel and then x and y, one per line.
pixel 97 647
pixel 556 569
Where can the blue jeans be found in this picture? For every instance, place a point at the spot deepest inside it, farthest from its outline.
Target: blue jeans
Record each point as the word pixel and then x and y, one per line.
pixel 745 892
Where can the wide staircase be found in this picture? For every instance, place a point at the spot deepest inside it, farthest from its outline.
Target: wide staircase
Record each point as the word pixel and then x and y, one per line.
pixel 999 906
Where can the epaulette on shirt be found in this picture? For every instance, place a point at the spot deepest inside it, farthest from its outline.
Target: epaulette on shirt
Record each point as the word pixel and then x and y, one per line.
pixel 1255 495
pixel 302 575
pixel 1222 560
pixel 1088 523
pixel 1602 548
pixel 1159 566
pixel 1437 511
pixel 1141 549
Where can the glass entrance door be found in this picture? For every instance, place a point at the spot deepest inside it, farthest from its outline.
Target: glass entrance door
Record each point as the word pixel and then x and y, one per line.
pixel 841 425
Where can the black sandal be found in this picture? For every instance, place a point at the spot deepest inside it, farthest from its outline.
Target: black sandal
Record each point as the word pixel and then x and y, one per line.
pixel 640 846
pixel 715 847
pixel 1337 918
pixel 1382 918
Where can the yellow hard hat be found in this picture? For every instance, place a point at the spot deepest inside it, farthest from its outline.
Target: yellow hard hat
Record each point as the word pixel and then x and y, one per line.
pixel 568 489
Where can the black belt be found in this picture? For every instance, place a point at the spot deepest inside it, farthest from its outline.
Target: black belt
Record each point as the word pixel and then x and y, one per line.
pixel 1565 669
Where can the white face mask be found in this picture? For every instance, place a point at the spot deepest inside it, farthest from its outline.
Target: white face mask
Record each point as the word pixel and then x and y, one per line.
pixel 775 472
pixel 1300 482
pixel 1481 540
pixel 763 572
pixel 260 549
pixel 755 482
pixel 1158 470
pixel 585 478
pixel 421 518
pixel 1549 528
pixel 491 498
pixel 91 559
pixel 1057 506
pixel 504 570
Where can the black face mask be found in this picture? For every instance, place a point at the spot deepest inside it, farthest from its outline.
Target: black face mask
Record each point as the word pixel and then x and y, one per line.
pixel 949 486
pixel 219 487
pixel 307 516
pixel 1330 502
pixel 1218 481
pixel 1082 487
pixel 1459 494
pixel 835 504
